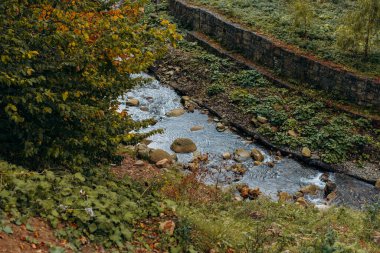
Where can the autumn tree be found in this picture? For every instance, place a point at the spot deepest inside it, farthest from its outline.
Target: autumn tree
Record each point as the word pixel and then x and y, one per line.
pixel 63 64
pixel 361 27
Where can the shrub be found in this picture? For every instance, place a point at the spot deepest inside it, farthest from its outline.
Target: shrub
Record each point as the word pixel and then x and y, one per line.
pixel 215 89
pixel 63 66
pixel 102 208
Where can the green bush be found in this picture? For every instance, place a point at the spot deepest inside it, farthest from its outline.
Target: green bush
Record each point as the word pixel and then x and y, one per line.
pixel 62 68
pixel 102 208
pixel 215 89
pixel 249 78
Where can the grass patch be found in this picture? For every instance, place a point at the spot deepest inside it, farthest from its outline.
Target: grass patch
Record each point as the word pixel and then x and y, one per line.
pixel 212 220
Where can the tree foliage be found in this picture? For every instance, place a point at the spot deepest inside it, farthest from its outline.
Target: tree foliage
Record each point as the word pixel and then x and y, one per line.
pixel 63 64
pixel 361 27
pixel 302 12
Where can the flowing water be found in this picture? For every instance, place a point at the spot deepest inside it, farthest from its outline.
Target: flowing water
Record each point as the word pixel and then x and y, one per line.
pixel 287 175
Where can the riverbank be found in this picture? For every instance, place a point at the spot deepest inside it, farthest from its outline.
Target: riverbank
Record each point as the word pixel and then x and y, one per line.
pixel 277 117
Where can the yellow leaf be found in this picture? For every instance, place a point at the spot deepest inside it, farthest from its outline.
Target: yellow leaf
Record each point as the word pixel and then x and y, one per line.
pixel 65 95
pixel 29 71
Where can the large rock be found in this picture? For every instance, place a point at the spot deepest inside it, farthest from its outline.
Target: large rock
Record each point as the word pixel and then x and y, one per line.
pixel 132 102
pixel 241 155
pixel 306 152
pixel 284 197
pixel 220 127
pixel 226 156
pixel 185 99
pixel 164 163
pixel 324 177
pixel 142 151
pixel 176 112
pixel 183 145
pixel 196 128
pixel 156 155
pixel 329 188
pixel 309 189
pixel 257 155
pixel 302 202
pixel 377 184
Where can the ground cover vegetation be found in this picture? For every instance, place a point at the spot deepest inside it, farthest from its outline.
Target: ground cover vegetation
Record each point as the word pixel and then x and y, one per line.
pixel 287 119
pixel 342 31
pixel 209 218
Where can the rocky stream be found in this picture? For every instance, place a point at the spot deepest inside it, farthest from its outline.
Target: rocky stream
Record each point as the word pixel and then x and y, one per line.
pixel 229 158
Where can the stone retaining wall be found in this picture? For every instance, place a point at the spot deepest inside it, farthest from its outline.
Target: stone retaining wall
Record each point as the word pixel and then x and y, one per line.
pixel 341 83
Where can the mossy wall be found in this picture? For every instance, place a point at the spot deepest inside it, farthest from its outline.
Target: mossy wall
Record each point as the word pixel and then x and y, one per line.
pixel 287 63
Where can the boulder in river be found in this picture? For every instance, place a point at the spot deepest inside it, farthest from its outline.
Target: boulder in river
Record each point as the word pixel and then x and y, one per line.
pixel 284 197
pixel 257 155
pixel 220 127
pixel 238 169
pixel 185 99
pixel 329 188
pixel 183 145
pixel 246 192
pixel 306 152
pixel 324 177
pixel 241 155
pixel 156 155
pixel 176 112
pixel 331 196
pixel 132 102
pixel 196 128
pixel 190 106
pixel 302 202
pixel 309 189
pixel 226 156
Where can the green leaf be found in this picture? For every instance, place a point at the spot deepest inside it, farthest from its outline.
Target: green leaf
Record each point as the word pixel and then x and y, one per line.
pixel 79 176
pixel 92 228
pixel 8 230
pixel 56 250
pixel 29 228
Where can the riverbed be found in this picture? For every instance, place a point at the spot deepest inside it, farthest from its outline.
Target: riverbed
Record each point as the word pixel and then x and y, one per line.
pixel 287 175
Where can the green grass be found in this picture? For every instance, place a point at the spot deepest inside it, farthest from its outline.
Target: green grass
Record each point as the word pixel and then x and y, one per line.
pixel 266 226
pixel 274 18
pixel 210 219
